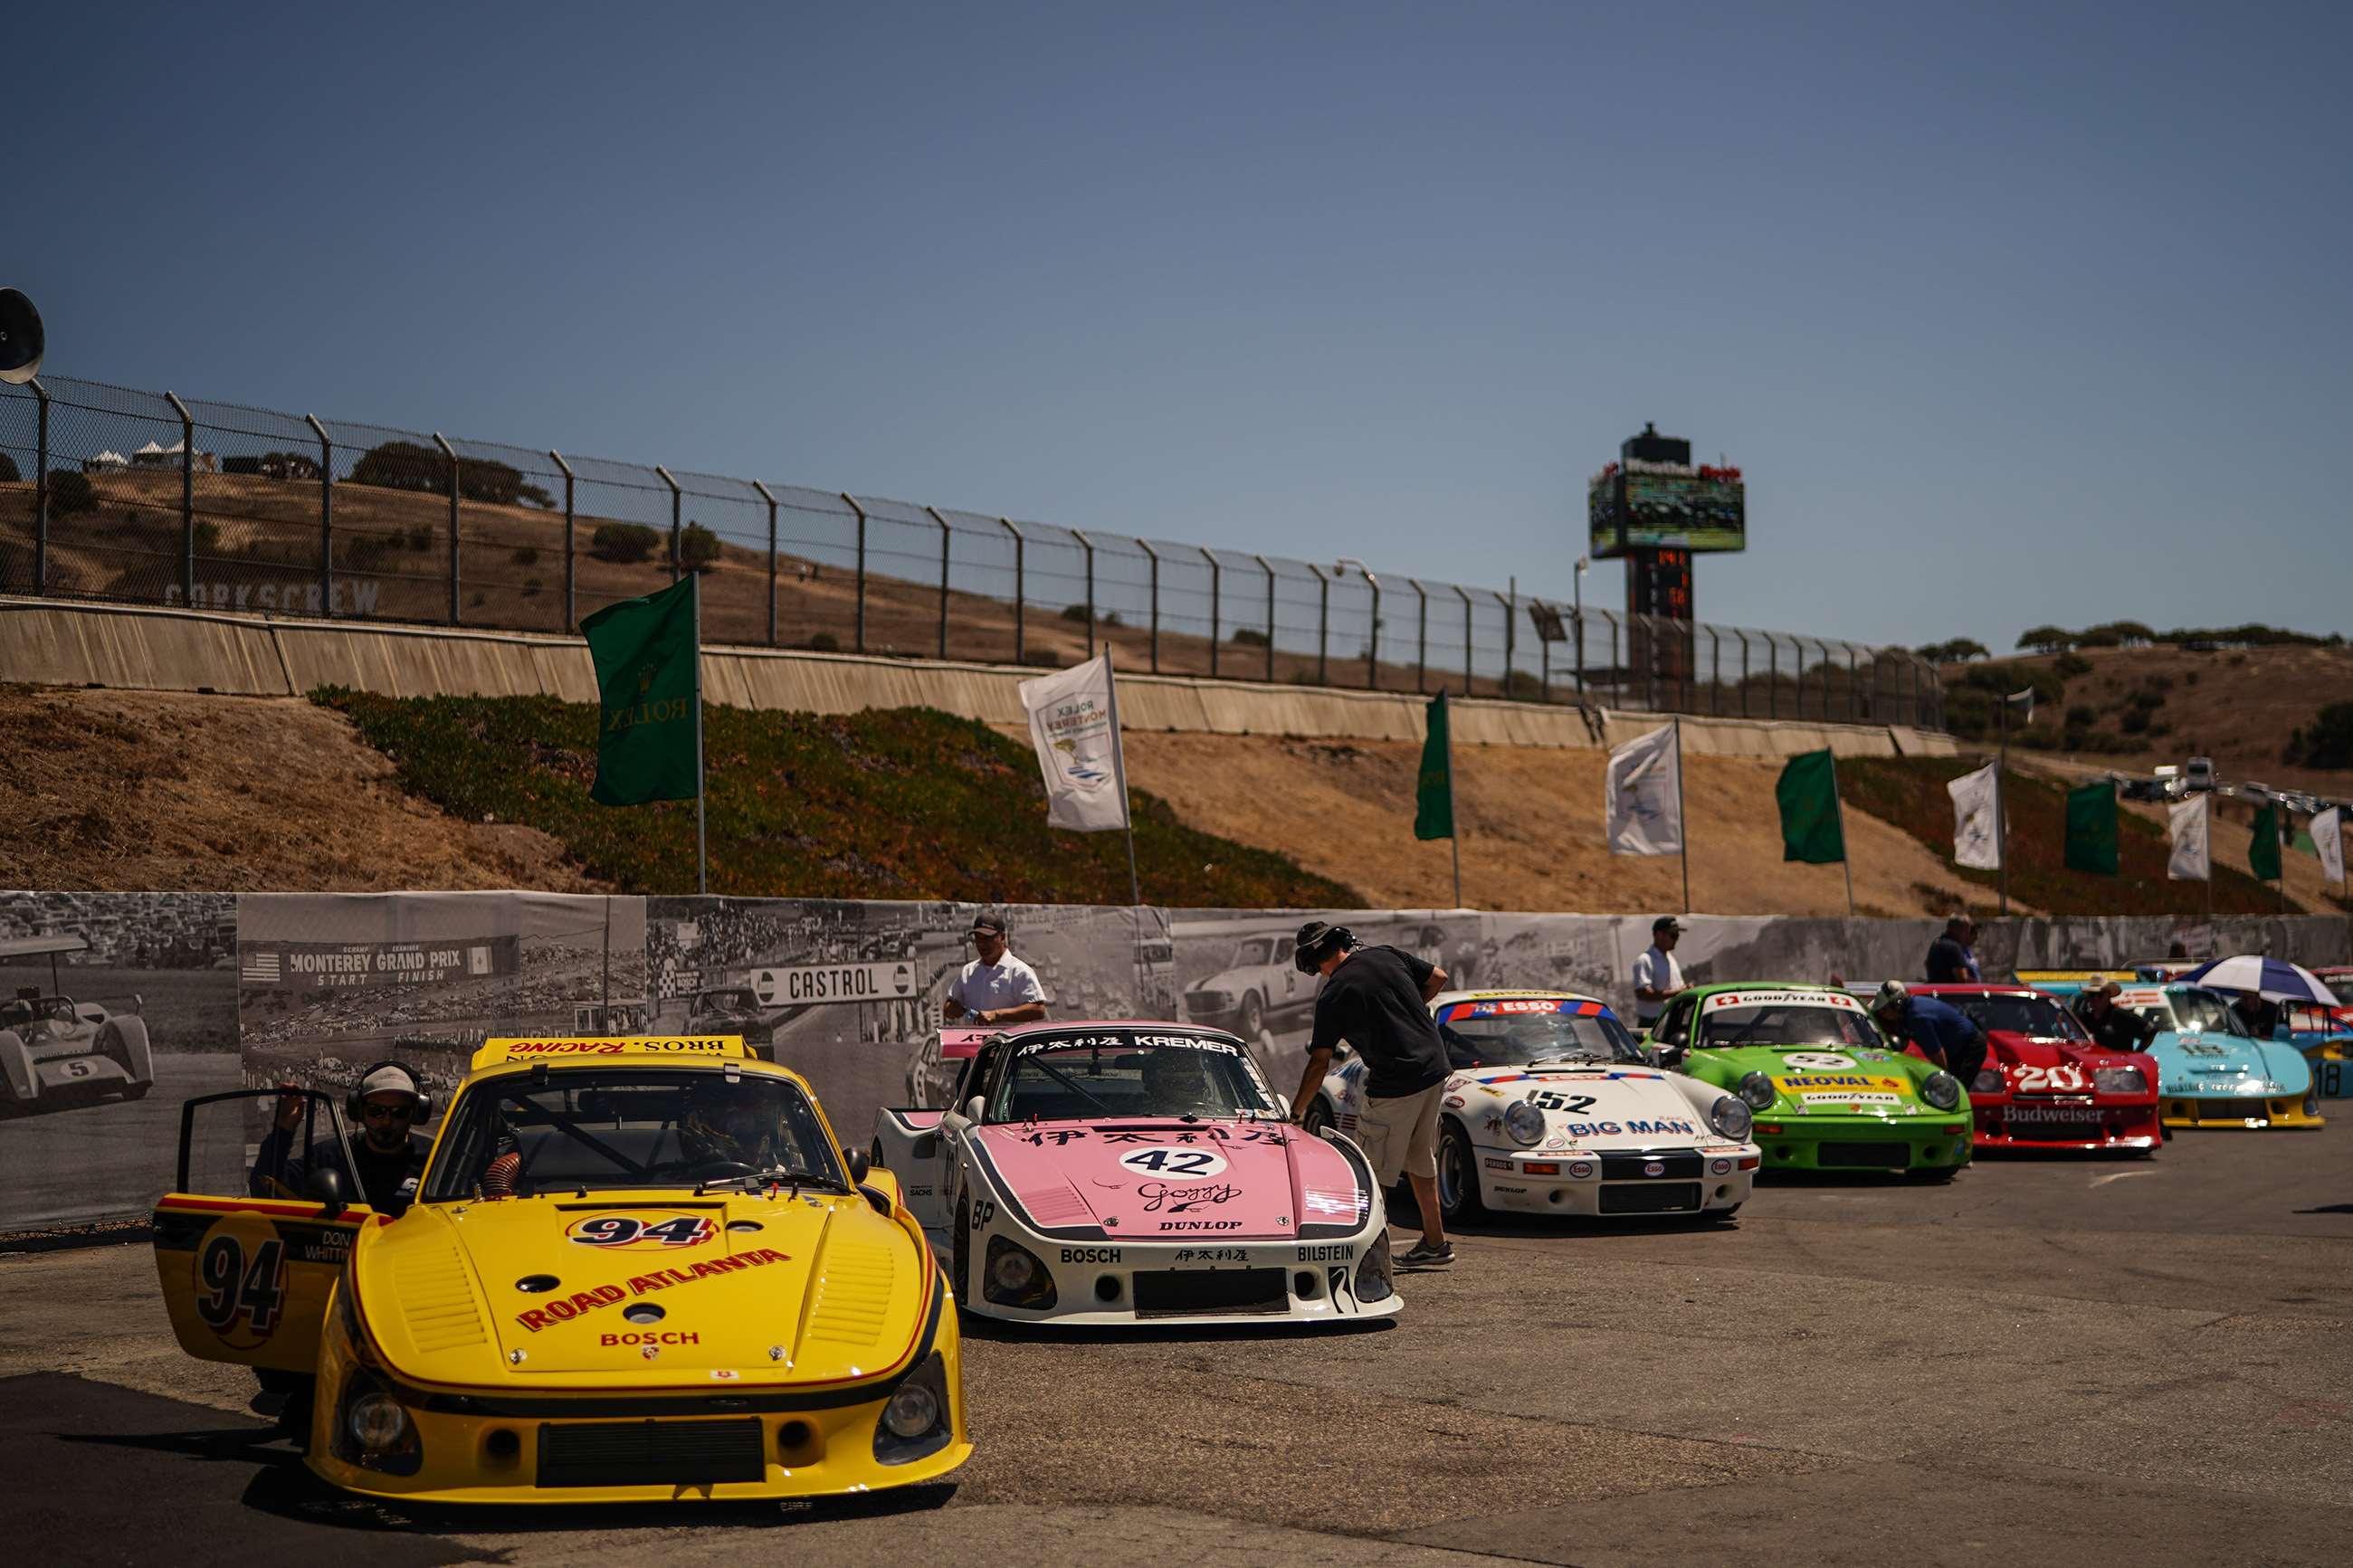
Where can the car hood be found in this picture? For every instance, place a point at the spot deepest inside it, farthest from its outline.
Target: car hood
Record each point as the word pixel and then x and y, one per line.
pixel 54 1039
pixel 1831 1081
pixel 2067 1064
pixel 836 1288
pixel 1596 1107
pixel 1238 1178
pixel 2192 1063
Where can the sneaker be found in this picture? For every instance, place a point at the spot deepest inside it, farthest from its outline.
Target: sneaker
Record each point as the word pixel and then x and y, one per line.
pixel 1423 1255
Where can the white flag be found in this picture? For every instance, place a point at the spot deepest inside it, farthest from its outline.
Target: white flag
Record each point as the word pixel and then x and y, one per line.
pixel 2186 823
pixel 1074 723
pixel 1975 842
pixel 2327 836
pixel 1645 796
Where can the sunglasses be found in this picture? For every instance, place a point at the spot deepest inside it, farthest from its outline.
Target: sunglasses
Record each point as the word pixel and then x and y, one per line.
pixel 374 1112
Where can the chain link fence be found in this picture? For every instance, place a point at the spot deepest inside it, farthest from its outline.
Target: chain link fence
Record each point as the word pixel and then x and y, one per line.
pixel 108 492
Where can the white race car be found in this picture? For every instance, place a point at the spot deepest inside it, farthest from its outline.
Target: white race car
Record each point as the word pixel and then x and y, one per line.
pixel 1553 1110
pixel 1122 1172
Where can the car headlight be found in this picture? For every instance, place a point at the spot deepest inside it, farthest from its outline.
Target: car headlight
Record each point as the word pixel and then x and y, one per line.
pixel 1988 1081
pixel 1757 1090
pixel 2312 1100
pixel 1524 1121
pixel 1730 1117
pixel 371 1429
pixel 1372 1277
pixel 378 1423
pixel 1017 1277
pixel 915 1421
pixel 2120 1081
pixel 1941 1089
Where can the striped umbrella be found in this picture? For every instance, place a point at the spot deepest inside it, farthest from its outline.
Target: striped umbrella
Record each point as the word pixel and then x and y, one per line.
pixel 2272 978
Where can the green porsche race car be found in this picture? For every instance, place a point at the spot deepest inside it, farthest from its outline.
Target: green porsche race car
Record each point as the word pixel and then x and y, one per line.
pixel 1829 1092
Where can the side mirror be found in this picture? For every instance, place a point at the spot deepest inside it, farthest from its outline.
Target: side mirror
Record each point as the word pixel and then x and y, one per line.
pixel 859 1165
pixel 324 1187
pixel 973 1106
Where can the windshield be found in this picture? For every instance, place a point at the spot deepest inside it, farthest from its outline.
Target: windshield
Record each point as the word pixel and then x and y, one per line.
pixel 627 1127
pixel 1788 1024
pixel 1252 951
pixel 1520 1030
pixel 1089 1076
pixel 2039 1016
pixel 2203 1010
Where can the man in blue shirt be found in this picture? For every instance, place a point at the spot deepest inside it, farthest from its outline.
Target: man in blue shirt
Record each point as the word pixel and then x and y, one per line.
pixel 1951 959
pixel 1946 1035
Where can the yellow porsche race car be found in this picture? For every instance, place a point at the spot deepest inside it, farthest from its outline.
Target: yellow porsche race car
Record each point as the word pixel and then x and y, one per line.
pixel 633 1270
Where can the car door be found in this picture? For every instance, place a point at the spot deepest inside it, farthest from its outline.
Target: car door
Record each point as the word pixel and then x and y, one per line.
pixel 246 1257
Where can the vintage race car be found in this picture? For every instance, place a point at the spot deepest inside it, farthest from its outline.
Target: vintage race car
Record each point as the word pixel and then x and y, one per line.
pixel 2210 1071
pixel 1137 1173
pixel 1260 986
pixel 56 1052
pixel 2044 1084
pixel 938 1064
pixel 1829 1091
pixel 635 1270
pixel 1552 1109
pixel 2325 1036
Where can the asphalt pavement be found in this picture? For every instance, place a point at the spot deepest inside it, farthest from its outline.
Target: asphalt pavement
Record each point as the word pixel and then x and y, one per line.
pixel 2045 1359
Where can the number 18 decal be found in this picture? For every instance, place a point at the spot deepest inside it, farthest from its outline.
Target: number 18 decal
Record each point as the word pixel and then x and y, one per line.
pixel 1166 1162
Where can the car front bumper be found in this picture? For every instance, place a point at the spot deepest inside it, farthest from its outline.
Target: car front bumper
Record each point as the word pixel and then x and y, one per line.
pixel 1863 1142
pixel 2242 1112
pixel 2070 1124
pixel 1524 1181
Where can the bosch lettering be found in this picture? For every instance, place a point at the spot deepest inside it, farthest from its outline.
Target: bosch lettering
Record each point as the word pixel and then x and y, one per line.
pixel 661 1337
pixel 1091 1255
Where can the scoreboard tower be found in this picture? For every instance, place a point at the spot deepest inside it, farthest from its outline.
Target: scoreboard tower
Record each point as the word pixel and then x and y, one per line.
pixel 1655 510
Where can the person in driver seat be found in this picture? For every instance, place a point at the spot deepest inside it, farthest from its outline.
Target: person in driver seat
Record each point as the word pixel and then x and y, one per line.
pixel 1175 1082
pixel 723 1124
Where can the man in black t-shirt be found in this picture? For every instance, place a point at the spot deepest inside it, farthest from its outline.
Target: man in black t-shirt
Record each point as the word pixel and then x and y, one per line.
pixel 2113 1029
pixel 1950 960
pixel 1377 999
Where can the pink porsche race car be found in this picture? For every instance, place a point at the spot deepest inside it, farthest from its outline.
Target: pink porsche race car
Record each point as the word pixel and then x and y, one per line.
pixel 1137 1173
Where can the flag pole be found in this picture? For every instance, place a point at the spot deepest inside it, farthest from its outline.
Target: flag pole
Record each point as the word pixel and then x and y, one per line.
pixel 701 849
pixel 2001 817
pixel 1453 820
pixel 1683 826
pixel 2206 823
pixel 1846 851
pixel 1119 766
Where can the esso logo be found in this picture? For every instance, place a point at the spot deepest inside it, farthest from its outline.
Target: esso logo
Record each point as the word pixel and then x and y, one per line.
pixel 1820 1061
pixel 641 1232
pixel 1162 1160
pixel 1655 1167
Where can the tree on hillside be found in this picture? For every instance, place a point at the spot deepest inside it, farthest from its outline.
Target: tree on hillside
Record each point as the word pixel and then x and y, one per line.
pixel 1959 650
pixel 2047 639
pixel 2328 744
pixel 69 492
pixel 2125 634
pixel 412 466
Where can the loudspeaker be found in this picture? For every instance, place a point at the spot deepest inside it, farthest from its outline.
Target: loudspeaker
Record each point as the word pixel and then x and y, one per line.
pixel 21 341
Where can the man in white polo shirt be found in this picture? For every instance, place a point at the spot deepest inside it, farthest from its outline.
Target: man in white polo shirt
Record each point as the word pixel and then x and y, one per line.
pixel 1657 975
pixel 994 988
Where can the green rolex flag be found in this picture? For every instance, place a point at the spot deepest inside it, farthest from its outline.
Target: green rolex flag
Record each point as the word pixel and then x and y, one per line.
pixel 2263 846
pixel 2091 828
pixel 1810 830
pixel 1433 816
pixel 649 737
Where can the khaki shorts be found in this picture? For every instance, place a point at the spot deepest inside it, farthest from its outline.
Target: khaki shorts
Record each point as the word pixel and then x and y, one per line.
pixel 1400 1135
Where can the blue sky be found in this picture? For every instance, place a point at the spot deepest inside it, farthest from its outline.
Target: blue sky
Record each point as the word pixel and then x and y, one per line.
pixel 2009 314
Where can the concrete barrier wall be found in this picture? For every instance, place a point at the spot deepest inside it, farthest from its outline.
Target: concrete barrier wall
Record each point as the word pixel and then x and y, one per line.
pixel 135 647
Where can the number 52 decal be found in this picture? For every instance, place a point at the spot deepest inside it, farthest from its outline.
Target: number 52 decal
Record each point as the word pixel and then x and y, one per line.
pixel 1554 1099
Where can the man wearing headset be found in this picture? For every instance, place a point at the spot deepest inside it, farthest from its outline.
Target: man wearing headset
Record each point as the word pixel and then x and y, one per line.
pixel 390 1153
pixel 1377 999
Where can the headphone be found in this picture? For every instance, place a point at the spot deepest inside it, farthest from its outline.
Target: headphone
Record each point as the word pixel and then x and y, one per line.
pixel 1316 941
pixel 355 1098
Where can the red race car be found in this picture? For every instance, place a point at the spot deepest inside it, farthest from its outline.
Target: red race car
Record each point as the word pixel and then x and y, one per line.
pixel 2044 1084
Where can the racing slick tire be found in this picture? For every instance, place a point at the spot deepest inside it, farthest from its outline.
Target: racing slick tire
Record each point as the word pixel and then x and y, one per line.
pixel 1318 1120
pixel 1254 1015
pixel 1458 1199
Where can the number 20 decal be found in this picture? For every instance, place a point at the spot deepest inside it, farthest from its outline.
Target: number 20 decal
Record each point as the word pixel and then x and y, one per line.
pixel 2065 1075
pixel 255 1290
pixel 1553 1100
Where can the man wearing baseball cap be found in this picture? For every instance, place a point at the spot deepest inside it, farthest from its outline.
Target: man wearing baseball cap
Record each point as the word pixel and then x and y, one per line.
pixel 1946 1035
pixel 2112 1028
pixel 995 988
pixel 1657 975
pixel 389 1153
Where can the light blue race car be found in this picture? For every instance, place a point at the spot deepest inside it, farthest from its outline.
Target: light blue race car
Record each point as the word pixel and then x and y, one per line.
pixel 2210 1071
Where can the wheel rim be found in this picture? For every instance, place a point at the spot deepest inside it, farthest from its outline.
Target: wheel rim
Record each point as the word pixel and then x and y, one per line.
pixel 1253 1016
pixel 1453 1171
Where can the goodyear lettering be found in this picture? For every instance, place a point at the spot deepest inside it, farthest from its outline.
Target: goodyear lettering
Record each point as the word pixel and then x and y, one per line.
pixel 663 1337
pixel 1329 1252
pixel 1091 1255
pixel 573 1306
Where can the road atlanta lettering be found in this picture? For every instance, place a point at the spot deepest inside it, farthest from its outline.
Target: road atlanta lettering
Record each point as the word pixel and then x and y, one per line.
pixel 565 1308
